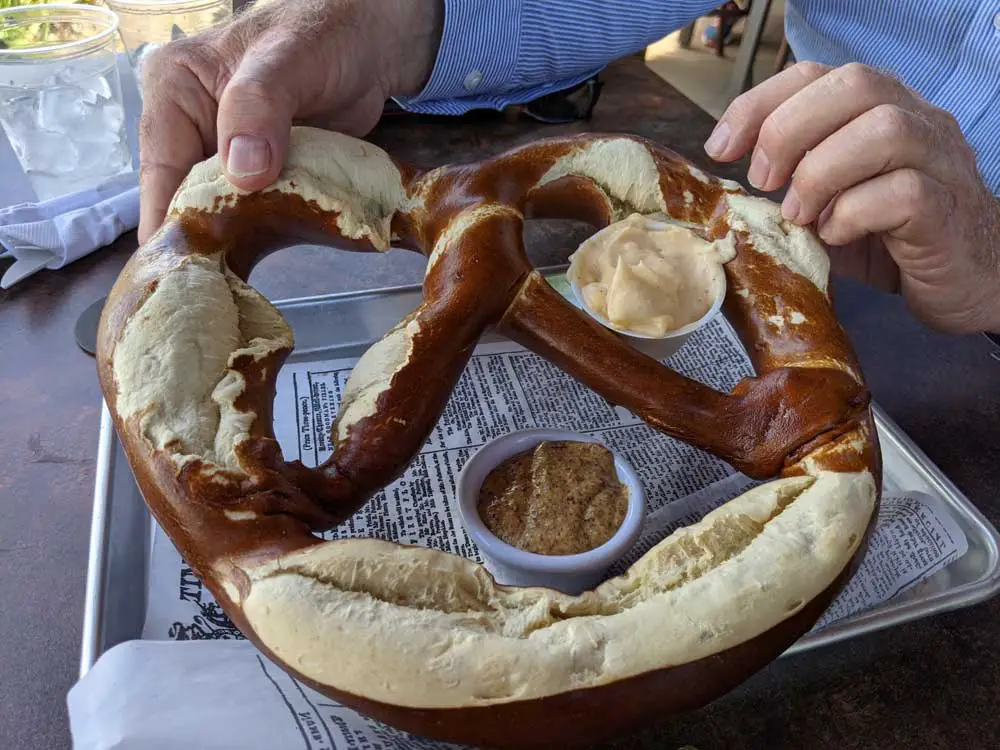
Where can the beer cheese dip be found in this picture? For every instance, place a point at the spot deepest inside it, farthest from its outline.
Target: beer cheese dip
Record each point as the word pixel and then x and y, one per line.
pixel 648 277
pixel 559 498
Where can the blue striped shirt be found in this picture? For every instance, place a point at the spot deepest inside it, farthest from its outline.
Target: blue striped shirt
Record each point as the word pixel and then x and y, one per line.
pixel 499 52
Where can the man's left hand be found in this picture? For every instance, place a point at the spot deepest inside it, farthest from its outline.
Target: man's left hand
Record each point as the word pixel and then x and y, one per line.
pixel 887 178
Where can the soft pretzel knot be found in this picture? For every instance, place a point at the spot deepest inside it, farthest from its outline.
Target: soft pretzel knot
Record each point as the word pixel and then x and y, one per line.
pixel 424 640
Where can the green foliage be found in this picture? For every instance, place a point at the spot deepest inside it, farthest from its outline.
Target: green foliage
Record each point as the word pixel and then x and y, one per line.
pixel 29 35
pixel 4 4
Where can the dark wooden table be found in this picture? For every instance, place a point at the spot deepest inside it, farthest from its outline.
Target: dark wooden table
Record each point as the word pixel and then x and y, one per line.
pixel 932 684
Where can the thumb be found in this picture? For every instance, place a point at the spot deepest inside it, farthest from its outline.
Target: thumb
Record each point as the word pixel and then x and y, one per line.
pixel 254 125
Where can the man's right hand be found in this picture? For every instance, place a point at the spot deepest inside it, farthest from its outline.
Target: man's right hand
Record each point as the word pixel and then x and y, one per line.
pixel 238 89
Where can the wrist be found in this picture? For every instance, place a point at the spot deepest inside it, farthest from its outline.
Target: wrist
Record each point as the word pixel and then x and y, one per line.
pixel 410 44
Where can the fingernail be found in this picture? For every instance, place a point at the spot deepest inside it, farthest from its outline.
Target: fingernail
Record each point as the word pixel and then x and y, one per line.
pixel 716 144
pixel 791 205
pixel 760 169
pixel 248 156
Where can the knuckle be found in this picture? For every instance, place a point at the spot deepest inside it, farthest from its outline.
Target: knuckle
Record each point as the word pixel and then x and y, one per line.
pixel 947 119
pixel 809 180
pixel 742 107
pixel 892 123
pixel 810 70
pixel 146 174
pixel 146 126
pixel 912 190
pixel 162 67
pixel 954 144
pixel 855 71
pixel 249 90
pixel 951 135
pixel 172 55
pixel 150 172
pixel 151 137
pixel 180 60
pixel 773 132
pixel 158 65
pixel 838 225
pixel 968 157
pixel 857 77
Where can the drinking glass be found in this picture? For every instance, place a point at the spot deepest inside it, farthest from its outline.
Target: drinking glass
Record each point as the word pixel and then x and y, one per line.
pixel 148 24
pixel 60 96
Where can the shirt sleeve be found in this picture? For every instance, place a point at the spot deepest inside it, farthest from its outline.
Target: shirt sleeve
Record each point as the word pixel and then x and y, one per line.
pixel 494 53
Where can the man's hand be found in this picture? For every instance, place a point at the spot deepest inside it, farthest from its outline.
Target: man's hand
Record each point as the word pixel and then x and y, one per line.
pixel 888 179
pixel 237 90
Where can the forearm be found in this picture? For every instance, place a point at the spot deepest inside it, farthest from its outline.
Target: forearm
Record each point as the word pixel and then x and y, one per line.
pixel 511 51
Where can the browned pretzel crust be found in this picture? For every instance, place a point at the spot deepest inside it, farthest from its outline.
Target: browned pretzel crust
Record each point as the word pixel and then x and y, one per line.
pixel 188 359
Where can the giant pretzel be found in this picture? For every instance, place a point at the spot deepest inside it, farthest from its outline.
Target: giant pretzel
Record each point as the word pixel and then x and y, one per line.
pixel 425 640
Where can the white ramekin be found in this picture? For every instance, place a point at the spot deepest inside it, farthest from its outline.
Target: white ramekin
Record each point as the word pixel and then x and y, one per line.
pixel 511 566
pixel 657 347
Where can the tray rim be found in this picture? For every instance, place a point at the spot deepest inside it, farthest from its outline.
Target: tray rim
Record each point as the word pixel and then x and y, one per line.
pixel 882 617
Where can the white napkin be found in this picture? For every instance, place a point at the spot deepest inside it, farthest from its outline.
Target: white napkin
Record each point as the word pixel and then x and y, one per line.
pixel 213 695
pixel 59 231
pixel 54 233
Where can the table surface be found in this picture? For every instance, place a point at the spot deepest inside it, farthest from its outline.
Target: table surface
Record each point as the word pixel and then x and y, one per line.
pixel 931 684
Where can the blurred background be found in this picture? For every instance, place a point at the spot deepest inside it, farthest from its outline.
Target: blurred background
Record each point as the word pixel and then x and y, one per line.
pixel 690 58
pixel 690 61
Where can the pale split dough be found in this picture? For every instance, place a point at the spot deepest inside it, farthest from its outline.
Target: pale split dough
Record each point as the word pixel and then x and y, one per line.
pixel 623 168
pixel 422 628
pixel 338 173
pixel 174 363
pixel 374 372
pixel 794 247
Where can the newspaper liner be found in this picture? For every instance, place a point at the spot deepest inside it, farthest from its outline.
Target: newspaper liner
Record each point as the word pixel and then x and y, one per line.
pixel 504 388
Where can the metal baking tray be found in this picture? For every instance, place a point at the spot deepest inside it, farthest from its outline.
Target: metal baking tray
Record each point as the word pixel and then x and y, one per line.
pixel 343 325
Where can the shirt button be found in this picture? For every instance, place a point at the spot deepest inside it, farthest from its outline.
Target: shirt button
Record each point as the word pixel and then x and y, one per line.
pixel 472 80
pixel 996 22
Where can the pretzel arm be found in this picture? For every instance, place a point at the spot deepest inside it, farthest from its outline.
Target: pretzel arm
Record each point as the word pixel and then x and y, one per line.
pixel 764 417
pixel 391 403
pixel 400 386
